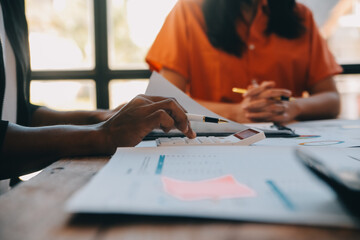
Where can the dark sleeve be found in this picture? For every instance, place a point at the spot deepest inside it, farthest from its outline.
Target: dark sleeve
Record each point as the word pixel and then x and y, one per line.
pixel 17 31
pixel 3 128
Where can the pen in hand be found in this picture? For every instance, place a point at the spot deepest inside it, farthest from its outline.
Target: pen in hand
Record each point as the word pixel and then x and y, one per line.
pixel 202 118
pixel 276 95
pixel 281 98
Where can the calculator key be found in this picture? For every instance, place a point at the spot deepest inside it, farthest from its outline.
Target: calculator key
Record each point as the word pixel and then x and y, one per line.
pixel 205 140
pixel 194 141
pixel 176 138
pixel 178 141
pixel 165 143
pixel 225 141
pixel 232 139
pixel 215 139
pixel 163 139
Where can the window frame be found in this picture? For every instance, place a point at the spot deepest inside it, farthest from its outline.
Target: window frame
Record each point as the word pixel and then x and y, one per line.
pixel 102 74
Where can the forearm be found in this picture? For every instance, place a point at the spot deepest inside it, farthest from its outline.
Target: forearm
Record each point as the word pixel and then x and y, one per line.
pixel 30 149
pixel 45 117
pixel 27 149
pixel 324 105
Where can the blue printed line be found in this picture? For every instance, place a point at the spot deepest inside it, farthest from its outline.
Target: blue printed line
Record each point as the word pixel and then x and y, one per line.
pixel 160 165
pixel 281 195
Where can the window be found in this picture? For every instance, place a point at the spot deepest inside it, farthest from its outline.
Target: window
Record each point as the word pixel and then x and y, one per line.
pixel 133 26
pixel 122 90
pixel 64 94
pixel 60 34
pixel 349 88
pixel 339 23
pixel 93 49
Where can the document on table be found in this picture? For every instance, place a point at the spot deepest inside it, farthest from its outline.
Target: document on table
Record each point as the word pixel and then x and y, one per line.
pixel 159 86
pixel 335 133
pixel 260 184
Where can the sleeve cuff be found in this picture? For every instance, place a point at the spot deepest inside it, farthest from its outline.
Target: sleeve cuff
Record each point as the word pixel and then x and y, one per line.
pixel 3 129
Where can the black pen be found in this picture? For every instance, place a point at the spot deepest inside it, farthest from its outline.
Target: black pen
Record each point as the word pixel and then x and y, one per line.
pixel 202 118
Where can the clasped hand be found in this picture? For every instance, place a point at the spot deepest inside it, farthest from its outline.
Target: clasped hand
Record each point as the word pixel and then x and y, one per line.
pixel 262 104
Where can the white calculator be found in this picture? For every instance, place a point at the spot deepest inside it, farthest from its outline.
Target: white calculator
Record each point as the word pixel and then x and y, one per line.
pixel 242 138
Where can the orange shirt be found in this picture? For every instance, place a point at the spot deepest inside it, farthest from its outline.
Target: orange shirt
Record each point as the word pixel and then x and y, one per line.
pixel 182 46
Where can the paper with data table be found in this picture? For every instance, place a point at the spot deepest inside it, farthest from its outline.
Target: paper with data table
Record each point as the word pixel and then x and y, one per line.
pixel 260 184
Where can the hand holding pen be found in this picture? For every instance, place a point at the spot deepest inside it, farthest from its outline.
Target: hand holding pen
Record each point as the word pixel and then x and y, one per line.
pixel 244 91
pixel 265 90
pixel 265 103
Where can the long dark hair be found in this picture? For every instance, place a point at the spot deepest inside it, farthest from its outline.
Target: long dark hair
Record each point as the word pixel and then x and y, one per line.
pixel 221 17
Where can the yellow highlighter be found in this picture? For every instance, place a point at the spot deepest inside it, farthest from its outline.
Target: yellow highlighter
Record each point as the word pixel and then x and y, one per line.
pixel 281 98
pixel 239 90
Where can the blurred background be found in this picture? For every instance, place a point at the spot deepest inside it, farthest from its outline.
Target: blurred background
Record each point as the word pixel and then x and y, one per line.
pixel 90 53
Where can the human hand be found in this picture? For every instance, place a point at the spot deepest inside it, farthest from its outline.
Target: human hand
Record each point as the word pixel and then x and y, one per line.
pixel 140 116
pixel 262 104
pixel 102 115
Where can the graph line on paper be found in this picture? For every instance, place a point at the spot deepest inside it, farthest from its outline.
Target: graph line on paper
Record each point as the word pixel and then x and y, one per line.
pixel 281 195
pixel 160 165
pixel 321 143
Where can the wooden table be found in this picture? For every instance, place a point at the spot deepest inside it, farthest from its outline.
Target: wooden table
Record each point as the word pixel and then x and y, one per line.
pixel 34 210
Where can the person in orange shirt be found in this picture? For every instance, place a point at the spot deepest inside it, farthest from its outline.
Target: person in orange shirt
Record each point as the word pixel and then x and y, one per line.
pixel 271 47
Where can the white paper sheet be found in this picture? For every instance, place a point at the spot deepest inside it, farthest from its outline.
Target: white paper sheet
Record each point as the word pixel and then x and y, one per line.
pixel 159 86
pixel 285 191
pixel 335 133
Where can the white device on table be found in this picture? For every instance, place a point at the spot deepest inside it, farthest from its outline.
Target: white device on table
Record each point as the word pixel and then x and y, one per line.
pixel 244 138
